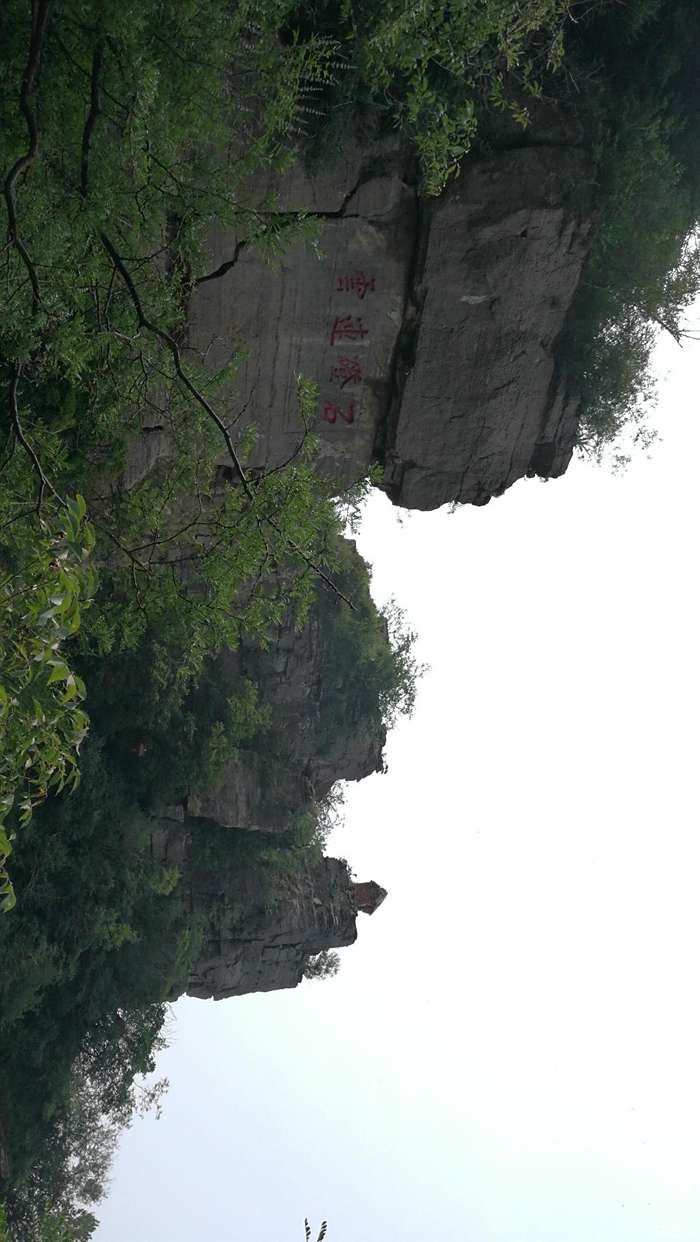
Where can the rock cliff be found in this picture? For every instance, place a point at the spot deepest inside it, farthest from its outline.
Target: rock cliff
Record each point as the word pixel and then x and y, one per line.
pixel 323 726
pixel 257 925
pixel 260 901
pixel 433 332
pixel 431 328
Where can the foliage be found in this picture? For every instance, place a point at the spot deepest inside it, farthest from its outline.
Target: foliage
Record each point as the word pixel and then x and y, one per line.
pixel 200 564
pixel 118 133
pixel 82 976
pixel 74 1170
pixel 644 267
pixel 314 825
pixel 185 727
pixel 321 1233
pixel 642 276
pixel 371 672
pixel 59 1227
pixel 45 580
pixel 433 69
pixel 323 965
pixel 432 64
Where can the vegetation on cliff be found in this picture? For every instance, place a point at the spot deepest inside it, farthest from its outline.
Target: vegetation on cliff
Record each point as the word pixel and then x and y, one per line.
pixel 371 670
pixel 111 178
pixel 124 142
pixel 638 65
pixel 80 983
pixel 116 157
pixel 433 66
pixel 83 969
pixel 124 137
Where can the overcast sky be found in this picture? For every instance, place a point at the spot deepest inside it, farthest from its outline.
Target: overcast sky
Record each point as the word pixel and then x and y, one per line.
pixel 511 1051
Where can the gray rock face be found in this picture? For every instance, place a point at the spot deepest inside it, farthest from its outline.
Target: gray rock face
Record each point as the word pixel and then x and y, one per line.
pixel 301 756
pixel 480 401
pixel 258 925
pixel 334 319
pixel 430 329
pixel 258 941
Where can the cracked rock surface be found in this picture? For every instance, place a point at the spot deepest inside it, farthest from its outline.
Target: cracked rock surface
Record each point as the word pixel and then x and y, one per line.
pixel 257 927
pixel 431 329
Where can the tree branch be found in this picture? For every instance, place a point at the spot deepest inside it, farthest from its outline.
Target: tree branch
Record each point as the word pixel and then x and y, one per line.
pixel 44 482
pixel 39 24
pixel 91 120
pixel 169 341
pixel 117 543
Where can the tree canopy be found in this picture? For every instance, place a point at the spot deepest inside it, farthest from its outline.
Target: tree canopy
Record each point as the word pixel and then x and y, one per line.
pixel 640 65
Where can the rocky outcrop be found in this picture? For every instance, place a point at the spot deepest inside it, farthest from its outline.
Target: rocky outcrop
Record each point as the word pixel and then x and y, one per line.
pixel 368 896
pixel 431 329
pixel 479 398
pixel 257 924
pixel 294 762
pixel 433 333
pixel 334 317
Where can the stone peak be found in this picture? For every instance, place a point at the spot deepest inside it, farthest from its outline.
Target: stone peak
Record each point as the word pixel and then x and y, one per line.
pixel 368 896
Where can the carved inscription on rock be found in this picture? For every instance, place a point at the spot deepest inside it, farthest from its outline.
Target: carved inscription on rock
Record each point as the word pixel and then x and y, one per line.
pixel 333 319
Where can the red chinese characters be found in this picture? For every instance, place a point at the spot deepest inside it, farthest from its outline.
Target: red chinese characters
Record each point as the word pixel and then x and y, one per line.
pixel 347 370
pixel 331 412
pixel 349 328
pixel 359 284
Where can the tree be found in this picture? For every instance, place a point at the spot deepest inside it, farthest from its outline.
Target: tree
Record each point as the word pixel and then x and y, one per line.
pixel 436 65
pixel 118 133
pixel 323 965
pixel 643 271
pixel 45 581
pixel 642 275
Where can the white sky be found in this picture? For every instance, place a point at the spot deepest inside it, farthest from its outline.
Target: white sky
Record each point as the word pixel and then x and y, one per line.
pixel 511 1051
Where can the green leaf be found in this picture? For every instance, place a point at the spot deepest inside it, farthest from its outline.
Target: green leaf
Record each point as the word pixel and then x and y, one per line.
pixel 78 506
pixel 8 902
pixel 59 672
